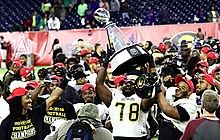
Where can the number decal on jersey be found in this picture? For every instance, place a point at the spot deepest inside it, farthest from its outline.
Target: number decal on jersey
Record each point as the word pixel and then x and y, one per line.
pixel 134 111
pixel 122 109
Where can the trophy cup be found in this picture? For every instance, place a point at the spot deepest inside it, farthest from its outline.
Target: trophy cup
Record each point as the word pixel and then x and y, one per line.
pixel 126 57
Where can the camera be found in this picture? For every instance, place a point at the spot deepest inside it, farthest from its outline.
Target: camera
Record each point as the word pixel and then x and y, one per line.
pixel 47 80
pixel 171 66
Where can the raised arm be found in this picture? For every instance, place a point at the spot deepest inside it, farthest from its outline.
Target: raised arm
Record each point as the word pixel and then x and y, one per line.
pixel 104 93
pixel 35 93
pixel 175 112
pixel 147 103
pixel 168 109
pixel 56 94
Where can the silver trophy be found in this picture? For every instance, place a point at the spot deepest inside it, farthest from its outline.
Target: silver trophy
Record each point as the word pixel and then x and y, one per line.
pixel 126 57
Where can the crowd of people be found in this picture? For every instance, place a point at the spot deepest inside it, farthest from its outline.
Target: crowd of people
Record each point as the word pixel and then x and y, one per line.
pixel 53 13
pixel 179 99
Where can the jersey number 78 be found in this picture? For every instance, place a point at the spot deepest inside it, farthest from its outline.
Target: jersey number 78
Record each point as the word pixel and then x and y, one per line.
pixel 134 111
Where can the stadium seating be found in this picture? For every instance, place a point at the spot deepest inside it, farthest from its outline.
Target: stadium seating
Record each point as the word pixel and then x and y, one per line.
pixel 17 10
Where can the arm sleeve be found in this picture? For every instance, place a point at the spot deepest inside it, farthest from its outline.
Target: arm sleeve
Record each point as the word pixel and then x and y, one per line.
pixel 191 128
pixel 187 135
pixel 184 115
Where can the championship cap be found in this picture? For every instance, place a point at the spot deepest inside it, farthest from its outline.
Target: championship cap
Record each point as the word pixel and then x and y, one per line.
pixel 212 55
pixel 208 78
pixel 16 62
pixel 59 64
pixel 93 60
pixel 87 86
pixel 162 47
pixel 24 72
pixel 202 63
pixel 217 68
pixel 83 52
pixel 205 50
pixel 198 70
pixel 18 92
pixel 119 79
pixel 32 83
pixel 178 79
pixel 54 77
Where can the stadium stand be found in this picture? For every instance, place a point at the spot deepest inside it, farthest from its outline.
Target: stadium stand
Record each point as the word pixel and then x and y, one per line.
pixel 14 12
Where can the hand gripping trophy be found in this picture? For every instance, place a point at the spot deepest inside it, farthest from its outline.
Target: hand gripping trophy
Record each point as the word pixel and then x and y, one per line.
pixel 125 58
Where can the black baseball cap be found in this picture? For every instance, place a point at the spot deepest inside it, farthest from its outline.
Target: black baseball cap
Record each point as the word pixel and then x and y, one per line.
pixel 42 73
pixel 75 67
pixel 79 74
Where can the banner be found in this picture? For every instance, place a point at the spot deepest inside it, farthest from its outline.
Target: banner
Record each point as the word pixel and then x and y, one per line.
pixel 40 43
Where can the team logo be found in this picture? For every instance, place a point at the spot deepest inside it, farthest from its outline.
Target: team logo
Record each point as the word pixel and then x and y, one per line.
pixel 189 36
pixel 22 46
pixel 133 51
pixel 140 82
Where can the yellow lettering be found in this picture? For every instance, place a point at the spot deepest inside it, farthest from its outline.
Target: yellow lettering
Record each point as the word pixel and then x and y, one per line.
pixel 23 134
pixel 60 114
pixel 17 123
pixel 14 128
pixel 51 108
pixel 23 123
pixel 29 121
pixel 56 109
pixel 48 113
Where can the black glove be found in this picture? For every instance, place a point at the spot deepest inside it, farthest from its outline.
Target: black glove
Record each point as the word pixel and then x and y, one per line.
pixel 110 52
pixel 158 87
pixel 151 61
pixel 143 87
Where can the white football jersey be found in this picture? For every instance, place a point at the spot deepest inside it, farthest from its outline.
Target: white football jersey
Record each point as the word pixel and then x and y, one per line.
pixel 189 106
pixel 198 101
pixel 170 94
pixel 126 116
